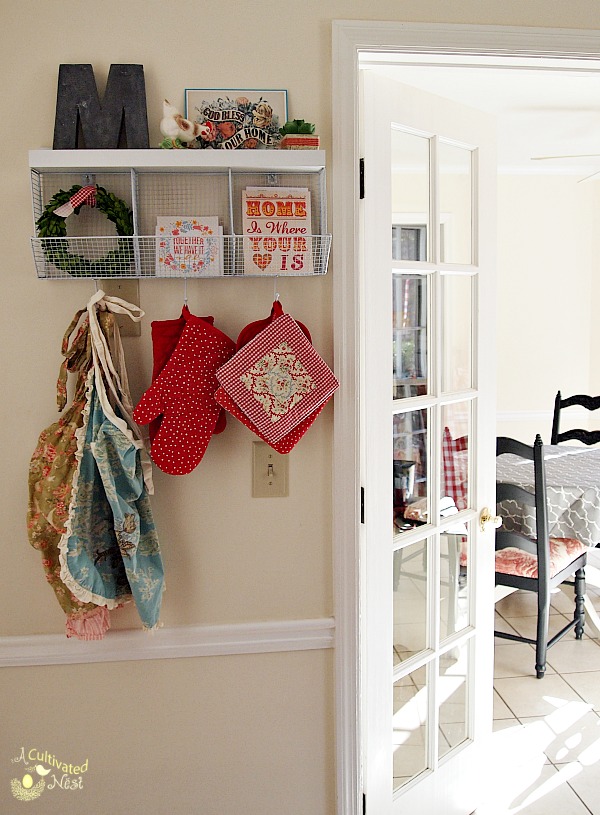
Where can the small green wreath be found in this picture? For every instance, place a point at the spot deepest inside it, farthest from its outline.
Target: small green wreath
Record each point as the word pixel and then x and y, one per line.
pixel 50 225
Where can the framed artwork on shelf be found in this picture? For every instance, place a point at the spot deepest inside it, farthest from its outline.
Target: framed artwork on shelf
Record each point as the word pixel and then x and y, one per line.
pixel 236 119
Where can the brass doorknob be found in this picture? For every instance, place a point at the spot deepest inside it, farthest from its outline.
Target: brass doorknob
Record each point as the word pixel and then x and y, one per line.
pixel 486 517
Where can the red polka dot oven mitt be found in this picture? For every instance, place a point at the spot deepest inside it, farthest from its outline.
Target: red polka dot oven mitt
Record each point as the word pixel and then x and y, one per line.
pixel 165 336
pixel 183 395
pixel 277 383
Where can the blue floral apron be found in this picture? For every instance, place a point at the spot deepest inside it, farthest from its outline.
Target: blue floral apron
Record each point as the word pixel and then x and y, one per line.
pixel 110 552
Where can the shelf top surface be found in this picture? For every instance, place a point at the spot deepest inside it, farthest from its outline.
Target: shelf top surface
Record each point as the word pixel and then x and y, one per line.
pixel 174 160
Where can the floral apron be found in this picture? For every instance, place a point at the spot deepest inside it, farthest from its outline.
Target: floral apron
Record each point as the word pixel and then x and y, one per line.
pixel 89 484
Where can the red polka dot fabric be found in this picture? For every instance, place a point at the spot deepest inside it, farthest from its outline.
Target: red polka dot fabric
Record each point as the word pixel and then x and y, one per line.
pixel 183 396
pixel 165 336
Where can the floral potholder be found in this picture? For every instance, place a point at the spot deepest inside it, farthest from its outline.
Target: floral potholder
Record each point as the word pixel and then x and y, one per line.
pixel 277 379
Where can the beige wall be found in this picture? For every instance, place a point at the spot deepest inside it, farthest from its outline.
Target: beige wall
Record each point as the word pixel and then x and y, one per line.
pixel 548 267
pixel 215 735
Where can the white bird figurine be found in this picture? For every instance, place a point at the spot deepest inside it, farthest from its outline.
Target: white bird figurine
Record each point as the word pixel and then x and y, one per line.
pixel 175 127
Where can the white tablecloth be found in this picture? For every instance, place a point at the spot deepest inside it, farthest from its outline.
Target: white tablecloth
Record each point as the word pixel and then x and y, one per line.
pixel 573 489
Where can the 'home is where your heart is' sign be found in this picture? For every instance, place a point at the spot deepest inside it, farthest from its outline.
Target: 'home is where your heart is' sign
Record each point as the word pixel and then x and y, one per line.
pixel 276 225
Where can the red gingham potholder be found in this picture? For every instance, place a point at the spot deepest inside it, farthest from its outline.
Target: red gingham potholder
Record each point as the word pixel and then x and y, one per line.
pixel 277 379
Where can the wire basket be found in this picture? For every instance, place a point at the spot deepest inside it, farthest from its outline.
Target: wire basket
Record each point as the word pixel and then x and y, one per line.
pixel 142 256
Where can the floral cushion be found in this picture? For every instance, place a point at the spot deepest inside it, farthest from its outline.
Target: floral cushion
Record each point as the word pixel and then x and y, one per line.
pixel 515 561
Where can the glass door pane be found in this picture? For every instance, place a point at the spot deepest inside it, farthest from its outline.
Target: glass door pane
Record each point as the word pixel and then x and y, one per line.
pixel 410 195
pixel 456 203
pixel 410 727
pixel 452 684
pixel 457 335
pixel 409 470
pixel 409 335
pixel 411 599
pixel 456 432
pixel 455 587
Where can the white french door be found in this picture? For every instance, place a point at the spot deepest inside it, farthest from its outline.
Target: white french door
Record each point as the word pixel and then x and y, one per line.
pixel 427 431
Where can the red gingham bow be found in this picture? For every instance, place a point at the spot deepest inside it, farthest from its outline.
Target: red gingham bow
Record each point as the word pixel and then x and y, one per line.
pixel 85 195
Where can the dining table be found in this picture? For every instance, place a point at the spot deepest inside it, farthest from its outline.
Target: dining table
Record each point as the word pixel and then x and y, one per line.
pixel 573 500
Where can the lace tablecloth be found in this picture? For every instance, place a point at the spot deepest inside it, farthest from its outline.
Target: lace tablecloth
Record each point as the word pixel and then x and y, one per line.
pixel 573 490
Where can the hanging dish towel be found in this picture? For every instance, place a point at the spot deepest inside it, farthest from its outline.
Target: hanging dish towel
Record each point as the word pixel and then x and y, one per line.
pixel 277 381
pixel 183 395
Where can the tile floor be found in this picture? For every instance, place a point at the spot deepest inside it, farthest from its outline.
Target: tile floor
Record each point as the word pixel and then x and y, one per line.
pixel 546 742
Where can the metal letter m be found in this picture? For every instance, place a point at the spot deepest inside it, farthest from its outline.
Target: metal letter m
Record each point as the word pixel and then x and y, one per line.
pixel 122 112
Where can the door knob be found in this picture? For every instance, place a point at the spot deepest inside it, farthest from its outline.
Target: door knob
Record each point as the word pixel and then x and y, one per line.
pixel 486 517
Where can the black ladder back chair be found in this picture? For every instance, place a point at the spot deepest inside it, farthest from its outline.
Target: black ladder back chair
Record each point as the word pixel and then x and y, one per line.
pixel 585 436
pixel 539 564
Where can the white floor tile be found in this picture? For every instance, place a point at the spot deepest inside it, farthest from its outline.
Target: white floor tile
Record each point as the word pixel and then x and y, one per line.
pixel 586 784
pixel 548 759
pixel 544 791
pixel 528 696
pixel 524 603
pixel 587 685
pixel 505 724
pixel 570 734
pixel 501 710
pixel 570 655
pixel 527 626
pixel 515 659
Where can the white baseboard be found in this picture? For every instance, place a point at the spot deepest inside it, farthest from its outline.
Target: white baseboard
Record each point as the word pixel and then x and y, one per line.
pixel 170 643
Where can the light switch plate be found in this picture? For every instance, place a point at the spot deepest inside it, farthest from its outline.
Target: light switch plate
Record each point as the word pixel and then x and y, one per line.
pixel 128 290
pixel 270 471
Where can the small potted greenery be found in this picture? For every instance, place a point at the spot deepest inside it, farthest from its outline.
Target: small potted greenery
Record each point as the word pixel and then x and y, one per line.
pixel 298 135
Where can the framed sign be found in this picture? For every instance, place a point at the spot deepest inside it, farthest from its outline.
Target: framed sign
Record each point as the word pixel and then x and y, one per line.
pixel 237 118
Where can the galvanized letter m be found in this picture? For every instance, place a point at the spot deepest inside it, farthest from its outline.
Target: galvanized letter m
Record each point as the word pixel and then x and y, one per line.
pixel 121 119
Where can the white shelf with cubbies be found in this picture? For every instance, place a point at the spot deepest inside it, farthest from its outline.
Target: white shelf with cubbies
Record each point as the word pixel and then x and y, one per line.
pixel 136 187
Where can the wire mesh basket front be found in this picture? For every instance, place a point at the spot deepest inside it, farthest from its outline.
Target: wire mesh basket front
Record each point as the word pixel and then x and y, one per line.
pixel 143 256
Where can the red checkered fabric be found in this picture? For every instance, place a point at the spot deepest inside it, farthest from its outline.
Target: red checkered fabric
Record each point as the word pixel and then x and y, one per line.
pixel 455 468
pixel 287 443
pixel 86 195
pixel 277 379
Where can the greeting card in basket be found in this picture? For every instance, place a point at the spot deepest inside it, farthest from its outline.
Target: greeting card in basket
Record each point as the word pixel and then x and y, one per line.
pixel 189 245
pixel 276 225
pixel 278 379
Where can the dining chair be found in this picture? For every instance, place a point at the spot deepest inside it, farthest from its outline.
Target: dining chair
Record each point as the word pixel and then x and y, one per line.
pixel 537 564
pixel 585 436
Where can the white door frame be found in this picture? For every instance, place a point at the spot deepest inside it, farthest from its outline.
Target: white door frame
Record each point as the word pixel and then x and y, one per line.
pixel 350 38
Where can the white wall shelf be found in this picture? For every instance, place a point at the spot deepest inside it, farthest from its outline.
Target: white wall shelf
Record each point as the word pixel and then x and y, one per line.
pixel 172 183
